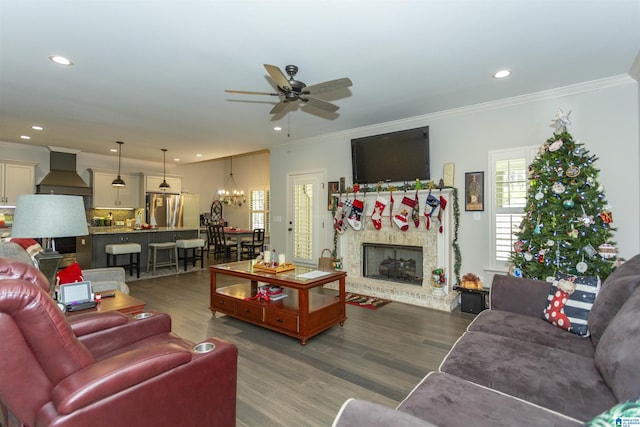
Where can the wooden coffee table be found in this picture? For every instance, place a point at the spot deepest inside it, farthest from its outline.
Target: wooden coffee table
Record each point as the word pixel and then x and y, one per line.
pixel 120 302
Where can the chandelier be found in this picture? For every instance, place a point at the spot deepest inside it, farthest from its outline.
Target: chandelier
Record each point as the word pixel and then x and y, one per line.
pixel 230 195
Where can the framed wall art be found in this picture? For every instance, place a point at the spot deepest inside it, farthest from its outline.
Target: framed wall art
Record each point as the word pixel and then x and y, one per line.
pixel 474 191
pixel 332 188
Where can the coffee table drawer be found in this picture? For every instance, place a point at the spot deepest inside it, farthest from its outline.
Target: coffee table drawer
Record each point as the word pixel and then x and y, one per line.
pixel 282 320
pixel 224 304
pixel 249 311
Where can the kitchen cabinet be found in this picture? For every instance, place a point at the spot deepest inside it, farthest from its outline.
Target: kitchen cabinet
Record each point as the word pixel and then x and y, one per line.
pixel 107 196
pixel 152 184
pixel 15 179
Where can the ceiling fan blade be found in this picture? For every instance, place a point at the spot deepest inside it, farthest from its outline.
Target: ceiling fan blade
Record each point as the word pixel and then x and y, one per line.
pixel 246 92
pixel 320 104
pixel 278 76
pixel 328 86
pixel 279 107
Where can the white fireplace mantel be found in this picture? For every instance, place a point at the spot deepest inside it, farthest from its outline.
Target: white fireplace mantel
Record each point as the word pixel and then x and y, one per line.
pixel 436 248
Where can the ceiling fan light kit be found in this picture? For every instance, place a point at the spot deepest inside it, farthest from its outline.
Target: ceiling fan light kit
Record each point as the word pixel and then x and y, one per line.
pixel 292 90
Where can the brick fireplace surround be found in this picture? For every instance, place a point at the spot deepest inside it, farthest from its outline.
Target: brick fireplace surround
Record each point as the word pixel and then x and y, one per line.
pixel 436 249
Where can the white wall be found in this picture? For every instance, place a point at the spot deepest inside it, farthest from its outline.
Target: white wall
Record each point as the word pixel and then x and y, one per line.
pixel 604 117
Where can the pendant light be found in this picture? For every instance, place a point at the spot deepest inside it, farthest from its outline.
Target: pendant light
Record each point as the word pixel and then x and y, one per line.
pixel 164 185
pixel 119 182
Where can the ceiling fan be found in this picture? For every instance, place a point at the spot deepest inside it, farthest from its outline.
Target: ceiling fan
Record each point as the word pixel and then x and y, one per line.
pixel 292 90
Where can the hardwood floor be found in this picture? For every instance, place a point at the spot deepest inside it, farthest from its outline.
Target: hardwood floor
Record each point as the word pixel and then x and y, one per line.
pixel 378 355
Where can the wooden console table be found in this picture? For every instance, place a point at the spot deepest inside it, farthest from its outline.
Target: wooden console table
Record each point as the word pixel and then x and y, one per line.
pixel 307 310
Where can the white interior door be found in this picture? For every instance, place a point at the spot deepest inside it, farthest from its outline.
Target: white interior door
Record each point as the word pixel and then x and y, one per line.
pixel 306 197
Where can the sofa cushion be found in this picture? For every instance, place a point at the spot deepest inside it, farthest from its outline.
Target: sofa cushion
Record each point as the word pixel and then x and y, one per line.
pixel 570 300
pixel 358 413
pixel 446 400
pixel 626 409
pixel 531 329
pixel 617 356
pixel 555 379
pixel 70 274
pixel 615 291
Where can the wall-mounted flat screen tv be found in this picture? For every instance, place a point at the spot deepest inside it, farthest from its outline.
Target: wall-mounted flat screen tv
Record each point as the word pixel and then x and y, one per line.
pixel 391 157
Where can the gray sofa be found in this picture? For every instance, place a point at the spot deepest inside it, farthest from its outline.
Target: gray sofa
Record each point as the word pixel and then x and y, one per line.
pixel 511 367
pixel 102 279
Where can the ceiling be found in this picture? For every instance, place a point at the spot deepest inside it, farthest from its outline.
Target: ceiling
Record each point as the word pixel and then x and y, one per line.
pixel 153 73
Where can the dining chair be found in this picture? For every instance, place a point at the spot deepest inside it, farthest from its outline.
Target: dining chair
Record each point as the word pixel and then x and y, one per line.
pixel 222 246
pixel 254 246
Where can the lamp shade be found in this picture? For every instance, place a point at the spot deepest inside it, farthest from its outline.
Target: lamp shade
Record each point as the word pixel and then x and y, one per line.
pixel 49 215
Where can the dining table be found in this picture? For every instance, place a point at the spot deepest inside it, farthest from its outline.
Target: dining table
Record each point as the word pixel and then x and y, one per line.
pixel 238 234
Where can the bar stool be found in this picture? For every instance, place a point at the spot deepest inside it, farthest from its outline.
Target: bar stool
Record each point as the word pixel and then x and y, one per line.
pixel 153 253
pixel 188 245
pixel 131 249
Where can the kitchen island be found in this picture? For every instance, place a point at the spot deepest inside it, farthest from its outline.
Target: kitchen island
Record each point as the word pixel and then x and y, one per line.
pixel 91 249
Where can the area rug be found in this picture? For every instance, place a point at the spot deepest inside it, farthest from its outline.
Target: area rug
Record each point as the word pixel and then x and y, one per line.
pixel 365 301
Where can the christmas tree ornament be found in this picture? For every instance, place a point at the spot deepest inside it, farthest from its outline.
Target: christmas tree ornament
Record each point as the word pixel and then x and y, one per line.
pixel 528 256
pixel 559 170
pixel 607 217
pixel 591 181
pixel 550 243
pixel 555 146
pixel 573 171
pixel 518 246
pixel 582 266
pixel 543 148
pixel 590 250
pixel 578 151
pixel 573 233
pixel 585 219
pixel 607 251
pixel 541 255
pixel 539 195
pixel 558 188
pixel 569 203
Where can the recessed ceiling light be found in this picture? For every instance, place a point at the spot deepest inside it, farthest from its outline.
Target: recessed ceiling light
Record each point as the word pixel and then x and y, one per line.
pixel 25 137
pixel 36 127
pixel 60 60
pixel 277 128
pixel 113 150
pixel 502 74
pixel 198 155
pixel 176 160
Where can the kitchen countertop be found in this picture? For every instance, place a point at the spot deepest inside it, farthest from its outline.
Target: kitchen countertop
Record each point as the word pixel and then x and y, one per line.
pixel 118 229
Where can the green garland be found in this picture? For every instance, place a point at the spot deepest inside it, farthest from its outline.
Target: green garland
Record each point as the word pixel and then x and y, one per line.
pixel 456 247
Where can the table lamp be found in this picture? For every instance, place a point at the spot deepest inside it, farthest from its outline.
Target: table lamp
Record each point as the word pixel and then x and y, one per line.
pixel 47 216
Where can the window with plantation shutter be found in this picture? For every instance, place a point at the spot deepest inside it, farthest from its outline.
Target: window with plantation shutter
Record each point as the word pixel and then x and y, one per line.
pixel 509 180
pixel 259 209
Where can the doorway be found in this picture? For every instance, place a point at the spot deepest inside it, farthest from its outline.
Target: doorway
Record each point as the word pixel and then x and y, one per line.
pixel 306 198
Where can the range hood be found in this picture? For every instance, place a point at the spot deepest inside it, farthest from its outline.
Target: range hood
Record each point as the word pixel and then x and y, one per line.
pixel 63 177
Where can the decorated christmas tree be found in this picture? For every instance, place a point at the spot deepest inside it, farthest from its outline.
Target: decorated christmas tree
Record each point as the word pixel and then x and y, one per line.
pixel 567 223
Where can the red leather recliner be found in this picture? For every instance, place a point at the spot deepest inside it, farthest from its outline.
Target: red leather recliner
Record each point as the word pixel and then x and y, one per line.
pixel 103 369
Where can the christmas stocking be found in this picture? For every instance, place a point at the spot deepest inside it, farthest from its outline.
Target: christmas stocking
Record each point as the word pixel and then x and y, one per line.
pixel 415 211
pixel 391 208
pixel 338 219
pixel 378 208
pixel 355 217
pixel 443 205
pixel 429 208
pixel 401 219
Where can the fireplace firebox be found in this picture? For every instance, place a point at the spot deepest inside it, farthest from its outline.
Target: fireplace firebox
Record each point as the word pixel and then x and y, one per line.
pixel 395 263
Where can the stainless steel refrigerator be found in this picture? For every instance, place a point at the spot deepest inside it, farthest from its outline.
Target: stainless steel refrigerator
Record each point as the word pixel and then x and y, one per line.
pixel 163 210
pixel 172 210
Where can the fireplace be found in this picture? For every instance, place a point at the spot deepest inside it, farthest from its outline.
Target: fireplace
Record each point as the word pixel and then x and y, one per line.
pixel 435 247
pixel 395 263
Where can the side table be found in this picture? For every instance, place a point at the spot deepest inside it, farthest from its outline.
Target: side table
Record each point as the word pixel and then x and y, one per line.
pixel 472 300
pixel 120 302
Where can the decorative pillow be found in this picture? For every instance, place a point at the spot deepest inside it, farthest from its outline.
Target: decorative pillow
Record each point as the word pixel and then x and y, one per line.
pixel 71 274
pixel 32 247
pixel 570 300
pixel 623 414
